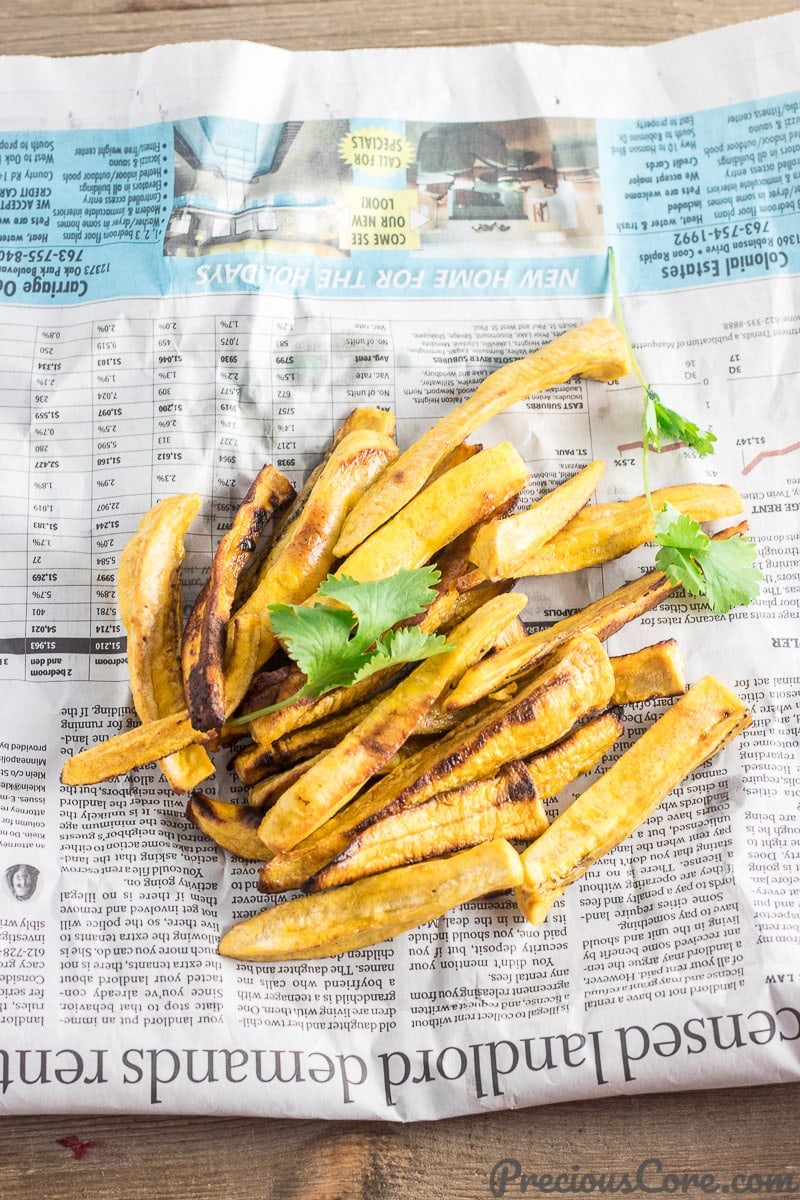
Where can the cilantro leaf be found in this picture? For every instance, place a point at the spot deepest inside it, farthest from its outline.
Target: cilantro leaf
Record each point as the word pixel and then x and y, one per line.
pixel 402 646
pixel 380 604
pixel 722 570
pixel 336 645
pixel 662 422
pixel 318 639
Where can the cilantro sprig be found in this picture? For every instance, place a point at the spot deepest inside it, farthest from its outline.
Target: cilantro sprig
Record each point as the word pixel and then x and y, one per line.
pixel 723 570
pixel 336 645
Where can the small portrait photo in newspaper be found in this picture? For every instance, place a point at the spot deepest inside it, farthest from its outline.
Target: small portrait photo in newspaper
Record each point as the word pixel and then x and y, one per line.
pixel 21 880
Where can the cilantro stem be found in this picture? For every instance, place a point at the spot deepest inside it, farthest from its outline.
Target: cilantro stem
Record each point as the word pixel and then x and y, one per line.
pixel 637 370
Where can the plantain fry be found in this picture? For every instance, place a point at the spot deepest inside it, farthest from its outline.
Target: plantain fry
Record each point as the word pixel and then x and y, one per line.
pixel 508 804
pixel 136 747
pixel 268 729
pixel 513 633
pixel 444 509
pixel 602 532
pixel 602 617
pixel 149 597
pixel 303 555
pixel 504 805
pixel 154 740
pixel 577 682
pixel 576 754
pixel 242 660
pixel 233 827
pixel 372 910
pixel 205 636
pixel 656 670
pixel 689 733
pixel 266 790
pixel 505 548
pixel 595 350
pixel 459 454
pixel 376 419
pixel 364 750
pixel 252 762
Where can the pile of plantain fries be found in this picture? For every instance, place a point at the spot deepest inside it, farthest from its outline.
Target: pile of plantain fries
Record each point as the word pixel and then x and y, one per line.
pixel 392 800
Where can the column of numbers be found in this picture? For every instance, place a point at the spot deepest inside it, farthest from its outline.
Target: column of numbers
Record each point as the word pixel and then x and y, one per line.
pixel 121 453
pixel 16 352
pixel 58 535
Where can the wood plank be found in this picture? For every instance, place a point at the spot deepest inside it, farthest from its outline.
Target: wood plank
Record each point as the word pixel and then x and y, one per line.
pixel 733 1135
pixel 108 26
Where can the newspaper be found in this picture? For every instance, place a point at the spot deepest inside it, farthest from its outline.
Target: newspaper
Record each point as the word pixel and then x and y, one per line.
pixel 209 254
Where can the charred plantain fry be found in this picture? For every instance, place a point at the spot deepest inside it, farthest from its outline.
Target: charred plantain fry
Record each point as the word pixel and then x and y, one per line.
pixel 205 636
pixel 505 548
pixel 441 512
pixel 372 910
pixel 234 827
pixel 508 804
pixel 364 750
pixel 595 350
pixel 602 532
pixel 149 596
pixel 577 682
pixel 505 805
pixel 688 734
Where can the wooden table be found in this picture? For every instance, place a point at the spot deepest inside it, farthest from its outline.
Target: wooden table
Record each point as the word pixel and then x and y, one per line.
pixel 741 1137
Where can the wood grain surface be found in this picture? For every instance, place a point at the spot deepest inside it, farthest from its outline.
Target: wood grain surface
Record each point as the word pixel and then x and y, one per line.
pixel 744 1141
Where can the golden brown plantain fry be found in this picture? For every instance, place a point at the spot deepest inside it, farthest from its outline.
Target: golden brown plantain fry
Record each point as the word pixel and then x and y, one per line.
pixel 376 419
pixel 689 733
pixel 655 670
pixel 602 617
pixel 595 350
pixel 505 548
pixel 149 596
pixel 504 805
pixel 205 636
pixel 372 910
pixel 508 804
pixel 303 555
pixel 364 750
pixel 441 512
pixel 602 532
pixel 134 748
pixel 577 682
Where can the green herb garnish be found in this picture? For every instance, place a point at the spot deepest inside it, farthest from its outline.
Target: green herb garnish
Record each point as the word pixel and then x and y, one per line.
pixel 337 646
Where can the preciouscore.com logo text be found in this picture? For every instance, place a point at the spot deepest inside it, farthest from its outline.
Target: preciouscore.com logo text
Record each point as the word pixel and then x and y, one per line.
pixel 649 1178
